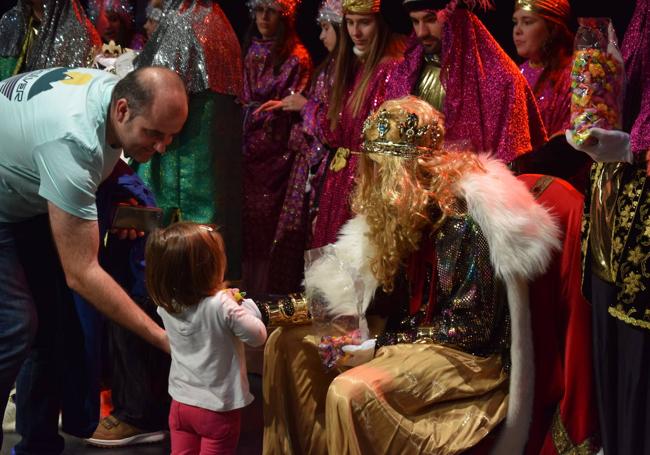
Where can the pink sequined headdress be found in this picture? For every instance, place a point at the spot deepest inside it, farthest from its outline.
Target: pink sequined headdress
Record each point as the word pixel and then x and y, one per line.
pixel 449 5
pixel 476 72
pixel 286 7
pixel 330 11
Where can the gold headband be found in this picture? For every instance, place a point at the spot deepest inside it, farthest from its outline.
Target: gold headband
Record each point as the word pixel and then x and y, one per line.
pixel 361 6
pixel 549 8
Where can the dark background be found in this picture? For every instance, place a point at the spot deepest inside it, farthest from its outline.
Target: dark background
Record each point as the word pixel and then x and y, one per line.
pixel 498 21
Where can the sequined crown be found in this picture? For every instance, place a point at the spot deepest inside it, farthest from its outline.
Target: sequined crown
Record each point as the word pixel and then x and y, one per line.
pixel 408 127
pixel 286 7
pixel 330 11
pixel 361 6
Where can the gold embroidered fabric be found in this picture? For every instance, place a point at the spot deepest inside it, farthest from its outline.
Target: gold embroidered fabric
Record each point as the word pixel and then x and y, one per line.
pixel 630 242
pixel 32 32
pixel 563 443
pixel 361 6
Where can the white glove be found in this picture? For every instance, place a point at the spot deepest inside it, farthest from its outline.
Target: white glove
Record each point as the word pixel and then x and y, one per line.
pixel 611 146
pixel 355 355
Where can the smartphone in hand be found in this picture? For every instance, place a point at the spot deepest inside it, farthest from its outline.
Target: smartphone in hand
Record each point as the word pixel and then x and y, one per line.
pixel 144 219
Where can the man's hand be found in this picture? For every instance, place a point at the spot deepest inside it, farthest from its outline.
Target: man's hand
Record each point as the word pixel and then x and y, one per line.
pixel 611 146
pixel 77 242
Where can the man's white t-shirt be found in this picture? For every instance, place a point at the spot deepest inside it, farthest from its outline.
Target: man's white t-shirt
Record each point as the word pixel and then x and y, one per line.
pixel 53 141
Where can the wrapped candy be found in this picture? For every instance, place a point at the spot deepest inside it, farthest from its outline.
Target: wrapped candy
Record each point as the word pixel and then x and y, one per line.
pixel 331 347
pixel 597 80
pixel 330 282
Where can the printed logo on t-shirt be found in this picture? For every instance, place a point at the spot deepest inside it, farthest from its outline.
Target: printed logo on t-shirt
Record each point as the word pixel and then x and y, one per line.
pixel 16 88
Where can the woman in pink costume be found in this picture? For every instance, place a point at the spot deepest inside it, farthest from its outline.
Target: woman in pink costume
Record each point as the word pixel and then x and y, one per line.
pixel 363 78
pixel 542 35
pixel 307 144
pixel 276 65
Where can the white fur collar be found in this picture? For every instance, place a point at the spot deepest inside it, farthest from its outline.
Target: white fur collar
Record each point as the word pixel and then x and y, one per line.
pixel 521 234
pixel 333 274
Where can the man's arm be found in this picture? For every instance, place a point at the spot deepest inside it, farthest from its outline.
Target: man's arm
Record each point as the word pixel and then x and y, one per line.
pixel 77 241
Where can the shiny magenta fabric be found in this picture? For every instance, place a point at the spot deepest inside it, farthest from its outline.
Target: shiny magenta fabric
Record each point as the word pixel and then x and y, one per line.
pixel 334 200
pixel 553 99
pixel 636 53
pixel 489 106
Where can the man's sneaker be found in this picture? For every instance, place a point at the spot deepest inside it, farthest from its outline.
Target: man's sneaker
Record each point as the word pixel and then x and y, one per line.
pixel 9 419
pixel 112 432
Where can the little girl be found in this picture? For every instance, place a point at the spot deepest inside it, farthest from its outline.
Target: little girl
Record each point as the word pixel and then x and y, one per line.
pixel 206 325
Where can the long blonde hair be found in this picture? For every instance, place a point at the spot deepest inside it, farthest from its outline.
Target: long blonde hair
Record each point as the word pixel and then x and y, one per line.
pixel 402 198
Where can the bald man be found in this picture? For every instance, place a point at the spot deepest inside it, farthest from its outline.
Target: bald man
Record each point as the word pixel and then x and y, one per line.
pixel 61 134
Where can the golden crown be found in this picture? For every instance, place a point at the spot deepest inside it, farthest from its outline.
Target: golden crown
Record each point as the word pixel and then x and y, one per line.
pixel 361 6
pixel 557 8
pixel 408 127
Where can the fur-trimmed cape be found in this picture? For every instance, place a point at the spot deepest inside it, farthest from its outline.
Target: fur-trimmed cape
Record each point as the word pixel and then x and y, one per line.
pixel 521 236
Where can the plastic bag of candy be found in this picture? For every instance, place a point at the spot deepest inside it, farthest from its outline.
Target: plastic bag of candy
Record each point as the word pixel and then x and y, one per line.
pixel 597 79
pixel 334 294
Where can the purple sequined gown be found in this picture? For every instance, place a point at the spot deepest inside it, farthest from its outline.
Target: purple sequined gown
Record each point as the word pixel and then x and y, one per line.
pixel 307 143
pixel 267 159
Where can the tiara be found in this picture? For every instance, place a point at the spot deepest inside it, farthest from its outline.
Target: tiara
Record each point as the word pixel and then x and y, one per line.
pixel 286 7
pixel 330 11
pixel 397 131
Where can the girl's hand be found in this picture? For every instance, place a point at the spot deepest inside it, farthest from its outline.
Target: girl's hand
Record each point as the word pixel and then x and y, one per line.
pixel 235 294
pixel 269 105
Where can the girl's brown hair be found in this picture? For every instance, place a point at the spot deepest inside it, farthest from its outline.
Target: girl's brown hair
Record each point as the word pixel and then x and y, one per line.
pixel 330 58
pixel 185 263
pixel 346 64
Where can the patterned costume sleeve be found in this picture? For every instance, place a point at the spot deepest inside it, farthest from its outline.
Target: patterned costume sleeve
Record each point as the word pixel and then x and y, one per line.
pixel 314 113
pixel 471 311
